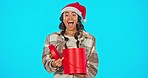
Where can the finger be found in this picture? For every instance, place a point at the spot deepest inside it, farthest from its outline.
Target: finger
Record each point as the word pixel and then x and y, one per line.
pixel 57 61
pixel 53 60
pixel 62 58
pixel 60 64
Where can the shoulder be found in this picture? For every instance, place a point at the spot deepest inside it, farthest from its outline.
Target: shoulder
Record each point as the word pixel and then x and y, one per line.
pixel 89 39
pixel 88 35
pixel 53 36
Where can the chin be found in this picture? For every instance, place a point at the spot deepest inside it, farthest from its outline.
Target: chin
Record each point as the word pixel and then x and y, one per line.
pixel 71 29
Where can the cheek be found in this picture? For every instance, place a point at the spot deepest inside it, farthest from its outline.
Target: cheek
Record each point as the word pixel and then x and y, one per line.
pixel 65 23
pixel 64 20
pixel 76 19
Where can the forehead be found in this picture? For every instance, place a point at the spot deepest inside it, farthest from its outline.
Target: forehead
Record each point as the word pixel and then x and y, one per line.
pixel 68 12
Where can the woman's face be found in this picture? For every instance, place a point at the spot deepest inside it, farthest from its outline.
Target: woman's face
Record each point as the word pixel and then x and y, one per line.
pixel 70 19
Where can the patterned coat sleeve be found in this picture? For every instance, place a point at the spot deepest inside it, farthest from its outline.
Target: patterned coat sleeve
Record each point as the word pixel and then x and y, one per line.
pixel 46 59
pixel 92 63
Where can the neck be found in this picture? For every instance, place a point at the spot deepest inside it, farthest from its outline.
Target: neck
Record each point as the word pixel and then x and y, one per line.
pixel 70 33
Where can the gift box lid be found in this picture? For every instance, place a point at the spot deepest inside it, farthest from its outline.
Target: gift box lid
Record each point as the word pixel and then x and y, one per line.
pixel 54 52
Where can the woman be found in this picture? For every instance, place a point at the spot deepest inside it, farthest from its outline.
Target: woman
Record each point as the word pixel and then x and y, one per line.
pixel 71 36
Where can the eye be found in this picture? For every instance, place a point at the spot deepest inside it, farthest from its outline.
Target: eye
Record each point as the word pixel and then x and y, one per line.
pixel 73 14
pixel 66 14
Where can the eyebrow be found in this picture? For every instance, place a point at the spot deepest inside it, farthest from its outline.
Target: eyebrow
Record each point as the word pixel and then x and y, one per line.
pixel 68 12
pixel 73 12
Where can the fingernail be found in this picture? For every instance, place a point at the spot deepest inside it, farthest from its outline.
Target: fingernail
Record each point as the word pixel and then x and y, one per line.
pixel 62 57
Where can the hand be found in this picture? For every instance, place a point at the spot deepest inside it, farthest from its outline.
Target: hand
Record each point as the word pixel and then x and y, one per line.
pixel 57 63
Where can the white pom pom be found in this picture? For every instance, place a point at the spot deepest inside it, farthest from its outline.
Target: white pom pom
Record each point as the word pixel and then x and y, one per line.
pixel 84 20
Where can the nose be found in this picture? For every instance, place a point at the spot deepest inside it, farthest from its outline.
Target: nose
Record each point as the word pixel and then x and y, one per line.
pixel 70 17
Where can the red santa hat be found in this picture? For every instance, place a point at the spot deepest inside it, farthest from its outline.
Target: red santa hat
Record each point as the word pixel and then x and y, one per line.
pixel 76 7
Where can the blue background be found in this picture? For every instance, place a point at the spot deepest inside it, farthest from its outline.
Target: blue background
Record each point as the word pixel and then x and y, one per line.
pixel 120 28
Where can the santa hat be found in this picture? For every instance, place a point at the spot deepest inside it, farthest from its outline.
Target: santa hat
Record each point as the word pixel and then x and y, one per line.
pixel 76 7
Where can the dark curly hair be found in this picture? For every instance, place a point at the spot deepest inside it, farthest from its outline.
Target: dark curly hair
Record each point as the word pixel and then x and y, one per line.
pixel 79 27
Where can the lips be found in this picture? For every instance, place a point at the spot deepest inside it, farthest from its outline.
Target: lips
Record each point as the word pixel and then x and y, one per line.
pixel 70 24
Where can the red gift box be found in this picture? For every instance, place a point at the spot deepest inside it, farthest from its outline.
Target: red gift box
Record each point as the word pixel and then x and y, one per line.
pixel 74 61
pixel 54 52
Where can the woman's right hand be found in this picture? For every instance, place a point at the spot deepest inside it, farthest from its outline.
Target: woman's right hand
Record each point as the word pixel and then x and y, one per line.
pixel 57 63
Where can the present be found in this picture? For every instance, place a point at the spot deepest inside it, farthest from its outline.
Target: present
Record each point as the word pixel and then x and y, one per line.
pixel 74 61
pixel 53 51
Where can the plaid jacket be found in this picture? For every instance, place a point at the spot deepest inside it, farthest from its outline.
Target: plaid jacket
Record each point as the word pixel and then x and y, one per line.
pixel 87 41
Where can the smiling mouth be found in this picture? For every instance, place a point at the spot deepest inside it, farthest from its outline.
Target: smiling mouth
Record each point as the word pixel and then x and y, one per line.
pixel 70 24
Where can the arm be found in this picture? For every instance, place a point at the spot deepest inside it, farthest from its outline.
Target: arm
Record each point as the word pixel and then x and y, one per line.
pixel 46 59
pixel 92 63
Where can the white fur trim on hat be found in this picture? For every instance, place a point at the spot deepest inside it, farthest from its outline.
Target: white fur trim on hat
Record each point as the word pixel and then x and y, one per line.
pixel 72 9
